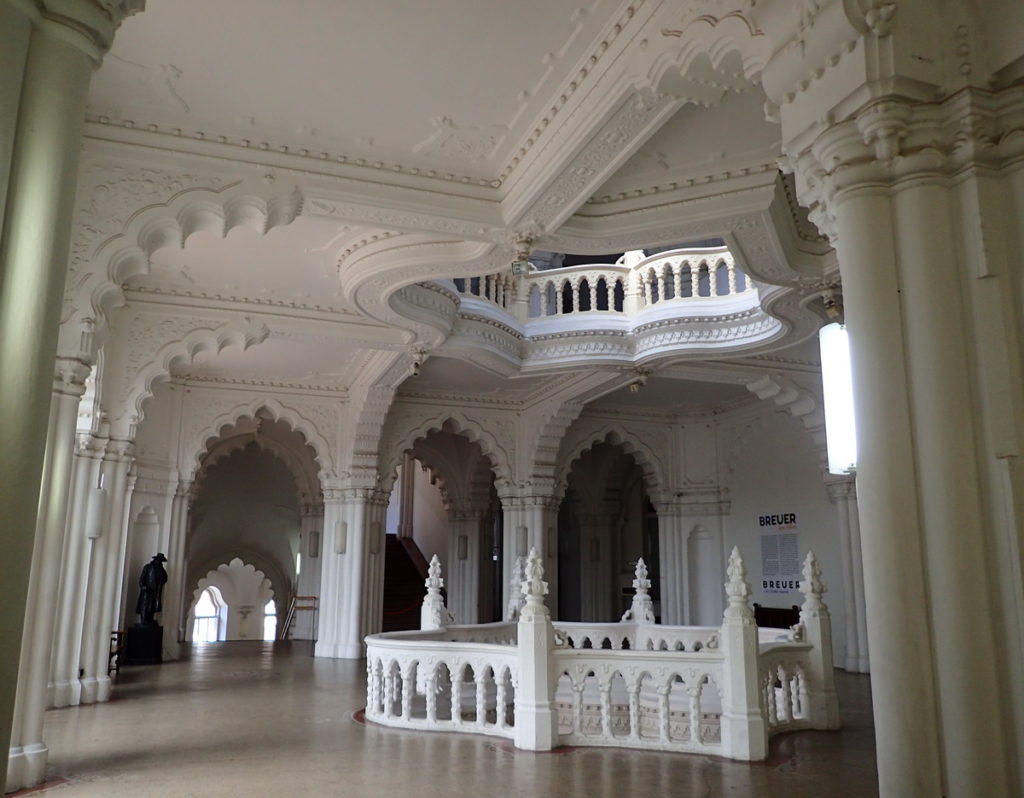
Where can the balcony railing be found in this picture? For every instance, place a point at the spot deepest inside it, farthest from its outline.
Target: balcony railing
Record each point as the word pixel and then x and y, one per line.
pixel 718 690
pixel 677 276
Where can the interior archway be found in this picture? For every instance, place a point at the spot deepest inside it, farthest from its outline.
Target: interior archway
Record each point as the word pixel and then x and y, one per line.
pixel 445 504
pixel 606 521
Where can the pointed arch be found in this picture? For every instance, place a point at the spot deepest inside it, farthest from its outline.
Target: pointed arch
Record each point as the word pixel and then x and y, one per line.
pixel 196 446
pixel 650 462
pixel 403 434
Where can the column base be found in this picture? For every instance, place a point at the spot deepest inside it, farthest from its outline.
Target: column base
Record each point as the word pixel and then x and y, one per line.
pixel 26 766
pixel 339 650
pixel 67 694
pixel 104 687
pixel 88 688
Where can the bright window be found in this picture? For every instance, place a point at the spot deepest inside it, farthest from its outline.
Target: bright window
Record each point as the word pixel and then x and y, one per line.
pixel 270 621
pixel 207 617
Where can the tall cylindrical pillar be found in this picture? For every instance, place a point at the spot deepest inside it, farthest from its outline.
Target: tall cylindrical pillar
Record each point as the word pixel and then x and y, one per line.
pixel 67 638
pixel 904 695
pixel 47 60
pixel 28 753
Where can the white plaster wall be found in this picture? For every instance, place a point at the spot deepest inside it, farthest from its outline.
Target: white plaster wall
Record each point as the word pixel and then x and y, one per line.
pixel 430 519
pixel 774 469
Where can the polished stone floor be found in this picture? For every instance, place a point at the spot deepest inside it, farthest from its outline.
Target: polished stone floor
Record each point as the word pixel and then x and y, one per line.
pixel 261 719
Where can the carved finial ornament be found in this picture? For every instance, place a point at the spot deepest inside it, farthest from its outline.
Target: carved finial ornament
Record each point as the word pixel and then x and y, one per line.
pixel 812 585
pixel 534 586
pixel 737 589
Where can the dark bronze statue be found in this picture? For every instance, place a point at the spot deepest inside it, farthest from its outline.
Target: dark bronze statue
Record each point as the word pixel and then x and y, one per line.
pixel 151 586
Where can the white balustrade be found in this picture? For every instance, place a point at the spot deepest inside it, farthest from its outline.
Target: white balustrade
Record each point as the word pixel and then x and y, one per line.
pixel 720 690
pixel 681 275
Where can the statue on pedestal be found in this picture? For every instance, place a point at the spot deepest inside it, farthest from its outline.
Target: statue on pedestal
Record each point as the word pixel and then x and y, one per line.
pixel 151 585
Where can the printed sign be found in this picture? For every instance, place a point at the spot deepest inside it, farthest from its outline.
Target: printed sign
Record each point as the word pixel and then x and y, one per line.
pixel 780 553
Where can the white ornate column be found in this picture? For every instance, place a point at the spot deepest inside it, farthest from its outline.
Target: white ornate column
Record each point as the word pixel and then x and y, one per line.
pixel 308 581
pixel 176 592
pixel 28 753
pixel 352 577
pixel 910 177
pixel 597 571
pixel 67 636
pixel 690 529
pixel 406 496
pixel 105 572
pixel 531 521
pixel 335 637
pixel 843 493
pixel 49 51
pixel 464 559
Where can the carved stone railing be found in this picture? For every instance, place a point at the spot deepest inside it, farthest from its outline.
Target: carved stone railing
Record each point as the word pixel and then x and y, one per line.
pixel 782 678
pixel 454 678
pixel 719 690
pixel 674 277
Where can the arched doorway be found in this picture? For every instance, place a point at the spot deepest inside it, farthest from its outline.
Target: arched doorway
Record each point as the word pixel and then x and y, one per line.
pixel 606 521
pixel 258 498
pixel 444 503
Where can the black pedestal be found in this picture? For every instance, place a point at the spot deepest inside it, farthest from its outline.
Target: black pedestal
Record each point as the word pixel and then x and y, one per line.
pixel 144 644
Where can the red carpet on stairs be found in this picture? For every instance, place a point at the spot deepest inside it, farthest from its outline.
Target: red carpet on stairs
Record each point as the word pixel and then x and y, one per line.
pixel 403 587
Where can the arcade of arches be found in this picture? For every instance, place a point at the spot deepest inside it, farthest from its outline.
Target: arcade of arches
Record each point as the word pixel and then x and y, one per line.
pixel 303 299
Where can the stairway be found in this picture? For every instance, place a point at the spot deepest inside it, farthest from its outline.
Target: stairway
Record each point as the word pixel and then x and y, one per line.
pixel 404 573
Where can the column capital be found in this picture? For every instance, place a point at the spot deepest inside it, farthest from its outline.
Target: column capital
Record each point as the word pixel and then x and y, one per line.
pixel 69 377
pixel 841 487
pixel 892 141
pixel 88 25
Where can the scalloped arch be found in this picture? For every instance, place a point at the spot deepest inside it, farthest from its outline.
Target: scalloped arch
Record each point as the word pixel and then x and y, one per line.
pixel 95 287
pixel 304 471
pixel 718 38
pixel 140 387
pixel 617 435
pixel 196 448
pixel 462 425
pixel 251 556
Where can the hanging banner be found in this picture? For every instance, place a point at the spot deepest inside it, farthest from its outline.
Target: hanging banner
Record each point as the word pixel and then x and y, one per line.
pixel 780 553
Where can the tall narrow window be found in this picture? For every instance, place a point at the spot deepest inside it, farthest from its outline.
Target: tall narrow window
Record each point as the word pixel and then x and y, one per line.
pixel 270 621
pixel 206 628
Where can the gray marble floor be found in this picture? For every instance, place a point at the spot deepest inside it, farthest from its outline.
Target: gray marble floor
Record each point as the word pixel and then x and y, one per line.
pixel 255 719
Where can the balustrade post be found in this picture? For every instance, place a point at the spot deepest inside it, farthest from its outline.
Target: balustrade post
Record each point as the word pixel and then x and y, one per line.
pixel 786 714
pixel 520 303
pixel 456 695
pixel 606 710
pixel 408 688
pixel 536 721
pixel 814 615
pixel 481 695
pixel 634 711
pixel 695 735
pixel 664 711
pixel 743 728
pixel 500 697
pixel 431 692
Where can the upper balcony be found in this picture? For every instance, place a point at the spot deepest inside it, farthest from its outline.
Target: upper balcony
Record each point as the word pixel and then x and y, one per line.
pixel 628 312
